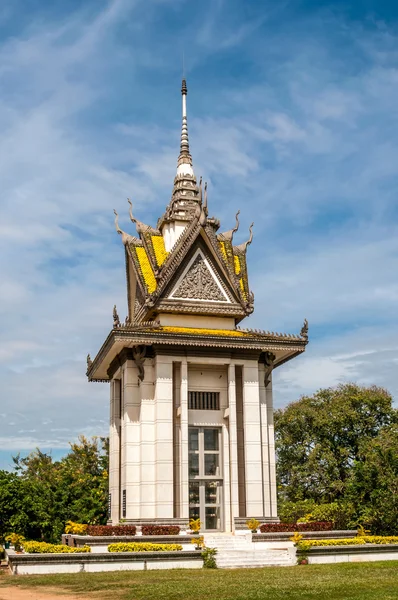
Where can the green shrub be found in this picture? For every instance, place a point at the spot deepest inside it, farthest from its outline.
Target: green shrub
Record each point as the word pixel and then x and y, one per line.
pixel 143 547
pixel 341 514
pixel 44 548
pixel 291 512
pixel 209 558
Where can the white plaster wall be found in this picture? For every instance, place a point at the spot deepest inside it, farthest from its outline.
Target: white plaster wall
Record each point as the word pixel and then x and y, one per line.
pixel 171 233
pixel 205 377
pixel 196 321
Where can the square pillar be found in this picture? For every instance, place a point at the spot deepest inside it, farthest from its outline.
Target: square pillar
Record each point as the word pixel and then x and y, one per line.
pixel 114 450
pixel 131 442
pixel 184 497
pixel 164 436
pixel 148 444
pixel 271 450
pixel 264 444
pixel 252 435
pixel 233 445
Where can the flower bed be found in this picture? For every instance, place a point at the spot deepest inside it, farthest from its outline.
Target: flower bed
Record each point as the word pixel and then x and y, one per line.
pixel 160 530
pixel 304 545
pixel 143 547
pixel 110 530
pixel 44 548
pixel 311 526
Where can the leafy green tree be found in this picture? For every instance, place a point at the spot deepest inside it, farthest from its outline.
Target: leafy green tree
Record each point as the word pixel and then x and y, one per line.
pixel 318 439
pixel 10 500
pixel 374 484
pixel 40 495
pixel 85 473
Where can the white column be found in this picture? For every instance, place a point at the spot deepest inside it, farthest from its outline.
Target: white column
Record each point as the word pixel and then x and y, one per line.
pixel 252 432
pixel 233 445
pixel 114 449
pixel 264 444
pixel 164 436
pixel 184 499
pixel 148 458
pixel 132 440
pixel 271 450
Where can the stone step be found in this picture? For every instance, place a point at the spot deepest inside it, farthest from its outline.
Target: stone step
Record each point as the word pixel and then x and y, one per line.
pixel 252 565
pixel 253 559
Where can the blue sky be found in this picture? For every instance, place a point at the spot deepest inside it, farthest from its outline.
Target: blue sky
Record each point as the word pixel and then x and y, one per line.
pixel 292 118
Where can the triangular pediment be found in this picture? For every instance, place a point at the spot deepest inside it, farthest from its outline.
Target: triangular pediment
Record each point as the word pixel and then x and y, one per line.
pixel 199 282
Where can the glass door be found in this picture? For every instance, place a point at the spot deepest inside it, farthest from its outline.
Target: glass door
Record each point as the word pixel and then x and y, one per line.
pixel 205 477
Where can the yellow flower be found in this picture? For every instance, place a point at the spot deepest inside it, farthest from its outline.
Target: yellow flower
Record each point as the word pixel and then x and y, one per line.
pixel 192 330
pixel 223 251
pixel 146 269
pixel 159 249
pixel 237 264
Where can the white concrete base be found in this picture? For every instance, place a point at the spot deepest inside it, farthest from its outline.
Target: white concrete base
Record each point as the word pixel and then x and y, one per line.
pixel 351 557
pixel 46 564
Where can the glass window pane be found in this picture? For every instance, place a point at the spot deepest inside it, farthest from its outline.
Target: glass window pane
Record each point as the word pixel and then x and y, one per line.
pixel 194 512
pixel 193 439
pixel 194 492
pixel 193 465
pixel 211 439
pixel 212 464
pixel 212 516
pixel 211 492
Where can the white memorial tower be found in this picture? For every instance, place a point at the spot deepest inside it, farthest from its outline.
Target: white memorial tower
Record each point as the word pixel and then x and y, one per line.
pixel 191 412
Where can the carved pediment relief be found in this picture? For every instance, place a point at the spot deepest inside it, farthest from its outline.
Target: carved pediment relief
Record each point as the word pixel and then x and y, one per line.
pixel 199 282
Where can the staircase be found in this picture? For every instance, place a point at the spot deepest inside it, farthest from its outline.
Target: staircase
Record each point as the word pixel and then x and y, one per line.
pixel 238 551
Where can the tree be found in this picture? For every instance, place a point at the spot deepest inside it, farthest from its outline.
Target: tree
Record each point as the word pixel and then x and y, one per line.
pixel 318 439
pixel 40 495
pixel 374 484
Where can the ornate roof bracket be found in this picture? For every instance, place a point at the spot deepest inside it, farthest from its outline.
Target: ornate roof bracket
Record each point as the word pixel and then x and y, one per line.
pixel 139 359
pixel 116 320
pixel 269 360
pixel 304 330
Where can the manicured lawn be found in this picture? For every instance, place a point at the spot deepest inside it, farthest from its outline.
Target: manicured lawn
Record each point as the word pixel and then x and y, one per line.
pixel 370 581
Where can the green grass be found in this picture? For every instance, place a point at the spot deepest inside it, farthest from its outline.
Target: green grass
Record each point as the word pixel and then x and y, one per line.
pixel 346 581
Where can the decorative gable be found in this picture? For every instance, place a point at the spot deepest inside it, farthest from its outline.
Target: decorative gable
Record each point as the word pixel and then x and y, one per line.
pixel 199 282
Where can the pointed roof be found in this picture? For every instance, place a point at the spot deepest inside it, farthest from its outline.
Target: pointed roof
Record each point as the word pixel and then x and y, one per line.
pixel 160 263
pixel 185 267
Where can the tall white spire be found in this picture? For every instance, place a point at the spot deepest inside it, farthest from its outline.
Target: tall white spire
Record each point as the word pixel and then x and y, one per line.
pixel 184 165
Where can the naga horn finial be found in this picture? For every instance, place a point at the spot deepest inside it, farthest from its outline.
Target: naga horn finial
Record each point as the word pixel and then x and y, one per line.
pixel 235 229
pixel 131 211
pixel 117 222
pixel 251 235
